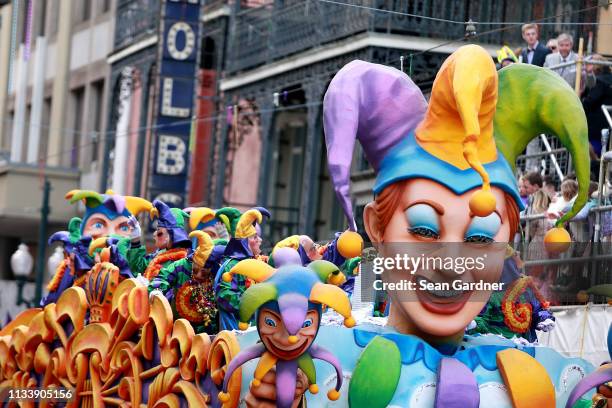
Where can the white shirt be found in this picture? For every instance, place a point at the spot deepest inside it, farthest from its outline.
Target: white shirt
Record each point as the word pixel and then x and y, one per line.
pixel 531 52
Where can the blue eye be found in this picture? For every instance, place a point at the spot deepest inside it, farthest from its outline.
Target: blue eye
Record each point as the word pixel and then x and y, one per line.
pixel 98 225
pixel 124 228
pixel 423 221
pixel 307 323
pixel 270 322
pixel 483 229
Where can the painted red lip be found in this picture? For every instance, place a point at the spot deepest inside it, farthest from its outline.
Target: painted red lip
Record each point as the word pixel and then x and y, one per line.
pixel 439 305
pixel 286 354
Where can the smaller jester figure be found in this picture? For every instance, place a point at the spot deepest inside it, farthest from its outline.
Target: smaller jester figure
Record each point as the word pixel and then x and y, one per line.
pixel 107 216
pixel 245 243
pixel 188 284
pixel 203 219
pixel 171 242
pixel 287 303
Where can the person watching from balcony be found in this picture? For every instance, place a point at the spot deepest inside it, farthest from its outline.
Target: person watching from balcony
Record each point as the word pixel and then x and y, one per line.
pixel 505 57
pixel 595 96
pixel 565 44
pixel 535 53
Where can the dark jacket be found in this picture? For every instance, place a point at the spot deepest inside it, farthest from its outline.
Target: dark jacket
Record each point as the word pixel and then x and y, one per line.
pixel 539 55
pixel 600 94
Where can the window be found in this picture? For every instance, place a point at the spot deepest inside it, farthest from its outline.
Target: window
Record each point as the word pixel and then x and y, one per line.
pixel 97 103
pixel 40 11
pixel 53 16
pixel 105 6
pixel 78 99
pixel 82 11
pixel 44 129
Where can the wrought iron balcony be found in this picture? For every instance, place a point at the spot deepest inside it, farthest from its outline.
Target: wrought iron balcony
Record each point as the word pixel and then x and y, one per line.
pixel 265 34
pixel 136 19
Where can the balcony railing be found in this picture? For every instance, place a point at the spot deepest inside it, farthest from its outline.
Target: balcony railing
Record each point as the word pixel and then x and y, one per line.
pixel 265 34
pixel 136 19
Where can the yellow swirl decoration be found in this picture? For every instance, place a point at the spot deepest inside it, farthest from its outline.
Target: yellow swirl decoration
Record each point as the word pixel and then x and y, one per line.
pixel 108 356
pixel 518 316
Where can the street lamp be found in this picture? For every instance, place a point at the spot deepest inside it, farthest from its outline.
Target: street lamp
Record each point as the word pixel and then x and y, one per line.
pixel 54 260
pixel 21 264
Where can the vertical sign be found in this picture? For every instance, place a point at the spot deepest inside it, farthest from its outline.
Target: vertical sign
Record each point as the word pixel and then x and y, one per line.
pixel 177 69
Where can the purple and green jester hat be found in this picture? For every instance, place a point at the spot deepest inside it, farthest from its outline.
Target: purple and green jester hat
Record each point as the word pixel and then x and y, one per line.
pixel 291 291
pixel 173 219
pixel 476 124
pixel 240 227
pixel 109 204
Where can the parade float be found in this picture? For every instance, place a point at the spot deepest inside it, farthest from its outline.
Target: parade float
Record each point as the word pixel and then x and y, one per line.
pixel 444 175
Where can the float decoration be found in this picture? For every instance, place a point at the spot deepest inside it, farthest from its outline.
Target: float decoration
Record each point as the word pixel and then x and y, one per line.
pixel 286 301
pixel 130 352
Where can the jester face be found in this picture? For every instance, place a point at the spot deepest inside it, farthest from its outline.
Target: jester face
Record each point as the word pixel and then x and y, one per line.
pixel 277 339
pixel 162 238
pixel 99 225
pixel 428 216
pixel 200 273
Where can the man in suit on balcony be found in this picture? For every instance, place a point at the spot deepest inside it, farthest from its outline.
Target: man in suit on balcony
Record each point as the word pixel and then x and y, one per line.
pixel 535 53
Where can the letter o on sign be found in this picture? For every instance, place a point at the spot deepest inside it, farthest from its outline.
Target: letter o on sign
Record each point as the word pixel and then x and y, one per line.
pixel 189 41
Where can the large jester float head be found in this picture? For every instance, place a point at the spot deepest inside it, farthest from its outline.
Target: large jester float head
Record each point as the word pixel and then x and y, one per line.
pixel 445 170
pixel 107 214
pixel 287 305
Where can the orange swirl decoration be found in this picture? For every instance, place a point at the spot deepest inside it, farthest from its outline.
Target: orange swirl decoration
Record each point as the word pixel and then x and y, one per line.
pixel 160 260
pixel 517 316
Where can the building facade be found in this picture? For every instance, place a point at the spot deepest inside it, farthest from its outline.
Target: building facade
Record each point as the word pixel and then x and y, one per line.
pixel 282 55
pixel 53 87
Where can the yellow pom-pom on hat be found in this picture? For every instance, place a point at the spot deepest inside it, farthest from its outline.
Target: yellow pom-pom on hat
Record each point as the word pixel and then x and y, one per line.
pixel 557 240
pixel 243 326
pixel 313 388
pixel 224 397
pixel 458 125
pixel 350 244
pixel 333 395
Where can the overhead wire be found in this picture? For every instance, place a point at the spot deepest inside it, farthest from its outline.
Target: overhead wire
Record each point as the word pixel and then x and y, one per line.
pixel 219 115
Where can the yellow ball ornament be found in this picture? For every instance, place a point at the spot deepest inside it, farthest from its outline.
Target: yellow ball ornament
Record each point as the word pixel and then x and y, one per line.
pixel 224 397
pixel 243 326
pixel 314 388
pixel 582 297
pixel 557 240
pixel 293 339
pixel 482 203
pixel 350 322
pixel 333 395
pixel 350 244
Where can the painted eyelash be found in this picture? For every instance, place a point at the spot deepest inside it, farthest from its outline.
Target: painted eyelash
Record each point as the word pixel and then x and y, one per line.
pixel 482 239
pixel 424 232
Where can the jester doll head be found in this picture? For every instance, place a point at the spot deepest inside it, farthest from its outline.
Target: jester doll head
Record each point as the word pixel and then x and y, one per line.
pixel 286 304
pixel 169 226
pixel 244 230
pixel 445 170
pixel 107 214
pixel 203 219
pixel 206 258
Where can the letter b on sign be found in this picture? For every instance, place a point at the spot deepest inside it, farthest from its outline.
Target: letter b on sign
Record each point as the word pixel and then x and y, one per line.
pixel 170 155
